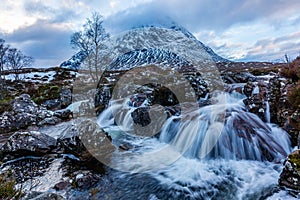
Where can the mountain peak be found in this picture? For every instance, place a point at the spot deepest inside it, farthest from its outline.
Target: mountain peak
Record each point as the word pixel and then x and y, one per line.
pixel 166 38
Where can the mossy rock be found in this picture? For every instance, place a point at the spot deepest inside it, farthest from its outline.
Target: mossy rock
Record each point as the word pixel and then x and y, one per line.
pixel 7 186
pixel 46 92
pixel 294 158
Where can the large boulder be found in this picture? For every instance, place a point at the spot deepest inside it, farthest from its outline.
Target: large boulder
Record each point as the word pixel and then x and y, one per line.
pixel 25 113
pixel 74 139
pixel 28 143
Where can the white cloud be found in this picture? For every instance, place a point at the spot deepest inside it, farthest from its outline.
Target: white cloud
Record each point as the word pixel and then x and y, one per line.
pixel 234 29
pixel 12 16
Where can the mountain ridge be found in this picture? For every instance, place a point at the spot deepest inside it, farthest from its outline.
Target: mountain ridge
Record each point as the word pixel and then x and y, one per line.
pixel 174 39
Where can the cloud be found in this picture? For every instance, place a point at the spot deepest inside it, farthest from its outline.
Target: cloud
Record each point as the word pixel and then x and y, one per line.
pixel 46 42
pixel 231 28
pixel 198 15
pixel 274 48
pixel 239 30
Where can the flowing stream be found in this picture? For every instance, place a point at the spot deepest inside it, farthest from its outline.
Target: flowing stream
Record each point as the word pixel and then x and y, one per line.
pixel 218 151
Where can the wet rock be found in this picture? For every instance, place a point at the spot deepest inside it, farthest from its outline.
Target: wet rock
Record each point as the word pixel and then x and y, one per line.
pixel 63 185
pixel 86 179
pixel 28 143
pixel 72 138
pixel 256 105
pixel 63 114
pixel 43 196
pixel 272 93
pixel 49 121
pixel 198 84
pixel 65 99
pixel 22 115
pixel 290 175
pixel 155 93
pixel 141 116
pixel 248 88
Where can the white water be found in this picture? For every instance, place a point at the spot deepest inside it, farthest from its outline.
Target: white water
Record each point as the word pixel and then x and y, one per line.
pixel 255 90
pixel 212 152
pixel 267 114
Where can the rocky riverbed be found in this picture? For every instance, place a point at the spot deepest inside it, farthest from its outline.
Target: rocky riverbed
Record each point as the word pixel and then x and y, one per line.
pixel 45 126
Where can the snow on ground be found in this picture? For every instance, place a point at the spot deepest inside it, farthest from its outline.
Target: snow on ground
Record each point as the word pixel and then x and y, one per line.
pixel 33 76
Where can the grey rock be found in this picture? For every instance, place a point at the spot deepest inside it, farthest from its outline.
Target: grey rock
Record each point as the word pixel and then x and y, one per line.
pixel 71 142
pixel 25 113
pixel 63 114
pixel 65 97
pixel 49 121
pixel 52 103
pixel 83 140
pixel 28 143
pixel 86 179
pixel 248 88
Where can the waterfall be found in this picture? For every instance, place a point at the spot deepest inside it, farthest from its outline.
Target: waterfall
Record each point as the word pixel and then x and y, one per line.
pixel 267 113
pixel 242 134
pixel 222 130
pixel 210 152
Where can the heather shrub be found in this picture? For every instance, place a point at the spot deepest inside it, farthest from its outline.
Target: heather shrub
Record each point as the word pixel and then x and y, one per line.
pixel 292 70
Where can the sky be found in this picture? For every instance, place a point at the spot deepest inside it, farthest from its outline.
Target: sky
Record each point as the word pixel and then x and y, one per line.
pixel 238 30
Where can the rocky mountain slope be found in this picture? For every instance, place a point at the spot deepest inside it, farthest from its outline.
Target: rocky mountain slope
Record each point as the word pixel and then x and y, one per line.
pixel 173 39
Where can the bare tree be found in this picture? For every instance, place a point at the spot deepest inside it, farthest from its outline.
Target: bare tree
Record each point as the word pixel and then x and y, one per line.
pixel 16 60
pixel 91 41
pixel 3 50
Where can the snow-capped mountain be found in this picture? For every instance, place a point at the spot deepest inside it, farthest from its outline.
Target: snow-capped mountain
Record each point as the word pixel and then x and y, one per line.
pixel 173 42
pixel 141 57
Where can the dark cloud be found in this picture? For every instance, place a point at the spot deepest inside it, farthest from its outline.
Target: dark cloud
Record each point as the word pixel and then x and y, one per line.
pixel 198 15
pixel 46 42
pixel 55 15
pixel 33 8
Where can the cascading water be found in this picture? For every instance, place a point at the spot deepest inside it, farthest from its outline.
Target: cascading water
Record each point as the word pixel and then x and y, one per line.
pixel 243 134
pixel 219 151
pixel 267 114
